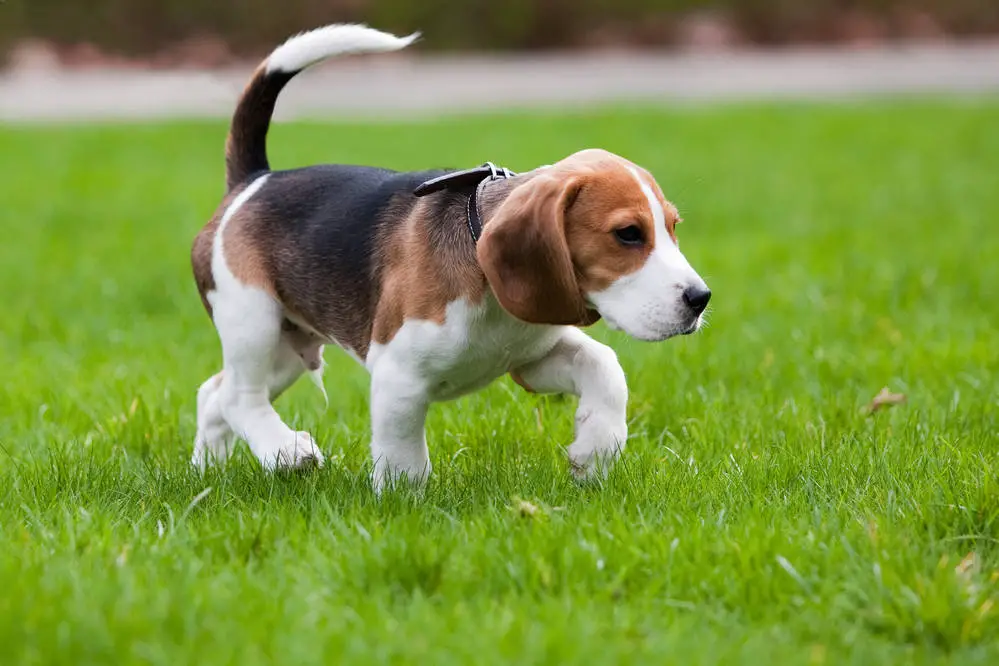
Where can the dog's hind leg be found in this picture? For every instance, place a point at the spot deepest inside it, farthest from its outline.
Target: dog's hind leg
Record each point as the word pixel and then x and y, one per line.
pixel 215 438
pixel 259 363
pixel 257 356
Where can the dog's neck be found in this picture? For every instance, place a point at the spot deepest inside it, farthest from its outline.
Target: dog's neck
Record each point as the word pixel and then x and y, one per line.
pixel 492 194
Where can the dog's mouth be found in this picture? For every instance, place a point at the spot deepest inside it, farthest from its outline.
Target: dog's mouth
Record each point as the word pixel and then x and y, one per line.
pixel 658 334
pixel 676 331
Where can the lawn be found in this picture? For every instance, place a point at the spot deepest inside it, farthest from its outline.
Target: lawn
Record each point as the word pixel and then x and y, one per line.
pixel 758 515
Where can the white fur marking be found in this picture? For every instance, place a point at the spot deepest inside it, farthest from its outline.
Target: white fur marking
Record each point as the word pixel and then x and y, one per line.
pixel 311 47
pixel 658 214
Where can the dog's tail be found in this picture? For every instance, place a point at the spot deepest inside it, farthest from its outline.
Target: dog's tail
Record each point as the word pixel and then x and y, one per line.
pixel 246 146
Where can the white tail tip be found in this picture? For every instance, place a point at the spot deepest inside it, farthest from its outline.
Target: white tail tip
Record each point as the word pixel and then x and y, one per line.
pixel 311 47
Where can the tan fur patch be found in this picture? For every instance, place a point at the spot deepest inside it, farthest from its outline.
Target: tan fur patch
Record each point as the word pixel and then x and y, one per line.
pixel 418 280
pixel 201 250
pixel 242 249
pixel 610 198
pixel 243 256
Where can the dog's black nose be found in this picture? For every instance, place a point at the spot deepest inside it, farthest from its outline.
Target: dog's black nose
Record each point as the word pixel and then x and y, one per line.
pixel 697 298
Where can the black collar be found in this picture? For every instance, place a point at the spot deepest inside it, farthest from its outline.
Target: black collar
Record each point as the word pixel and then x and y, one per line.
pixel 471 179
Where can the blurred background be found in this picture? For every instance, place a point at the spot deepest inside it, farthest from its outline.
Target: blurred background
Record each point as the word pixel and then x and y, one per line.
pixel 165 33
pixel 106 59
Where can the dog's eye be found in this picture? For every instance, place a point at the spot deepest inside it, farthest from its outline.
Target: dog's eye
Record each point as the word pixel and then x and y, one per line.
pixel 629 235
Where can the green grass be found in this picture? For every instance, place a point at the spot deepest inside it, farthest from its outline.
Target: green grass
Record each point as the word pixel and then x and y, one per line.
pixel 757 516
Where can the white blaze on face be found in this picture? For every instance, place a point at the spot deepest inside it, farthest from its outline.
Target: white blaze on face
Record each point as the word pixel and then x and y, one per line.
pixel 648 303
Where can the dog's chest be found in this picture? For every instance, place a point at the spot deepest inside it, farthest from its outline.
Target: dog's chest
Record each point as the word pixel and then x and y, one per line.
pixel 472 347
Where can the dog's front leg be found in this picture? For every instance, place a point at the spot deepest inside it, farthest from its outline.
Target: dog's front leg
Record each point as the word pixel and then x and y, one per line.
pixel 581 366
pixel 399 405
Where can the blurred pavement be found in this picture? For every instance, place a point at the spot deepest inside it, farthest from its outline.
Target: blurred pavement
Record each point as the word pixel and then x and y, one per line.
pixel 411 85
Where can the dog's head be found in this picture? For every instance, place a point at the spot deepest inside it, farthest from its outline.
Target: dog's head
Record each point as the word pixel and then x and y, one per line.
pixel 592 236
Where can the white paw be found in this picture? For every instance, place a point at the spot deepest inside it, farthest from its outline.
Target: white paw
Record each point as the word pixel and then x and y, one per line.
pixel 386 476
pixel 208 453
pixel 594 468
pixel 303 453
pixel 596 448
pixel 200 460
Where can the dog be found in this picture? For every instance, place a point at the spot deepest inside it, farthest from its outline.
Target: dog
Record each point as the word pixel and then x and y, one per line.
pixel 438 282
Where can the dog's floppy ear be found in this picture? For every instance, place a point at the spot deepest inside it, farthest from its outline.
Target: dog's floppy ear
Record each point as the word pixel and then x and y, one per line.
pixel 525 256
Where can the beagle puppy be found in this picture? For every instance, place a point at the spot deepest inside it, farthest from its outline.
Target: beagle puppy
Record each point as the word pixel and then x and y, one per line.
pixel 438 282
